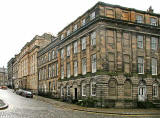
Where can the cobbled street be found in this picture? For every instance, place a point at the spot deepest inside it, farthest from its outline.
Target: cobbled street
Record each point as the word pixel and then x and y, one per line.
pixel 21 107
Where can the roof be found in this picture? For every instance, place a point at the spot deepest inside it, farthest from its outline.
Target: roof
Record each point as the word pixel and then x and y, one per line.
pixel 3 70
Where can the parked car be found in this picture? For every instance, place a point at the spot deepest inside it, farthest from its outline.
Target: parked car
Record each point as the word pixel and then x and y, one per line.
pixel 27 94
pixel 19 91
pixel 4 87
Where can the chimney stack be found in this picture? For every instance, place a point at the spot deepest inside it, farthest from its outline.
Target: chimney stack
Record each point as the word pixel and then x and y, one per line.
pixel 150 10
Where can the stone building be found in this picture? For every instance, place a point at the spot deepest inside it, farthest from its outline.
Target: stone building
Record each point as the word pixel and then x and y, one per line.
pixel 10 72
pixel 25 66
pixel 110 53
pixel 16 82
pixel 3 77
pixel 48 67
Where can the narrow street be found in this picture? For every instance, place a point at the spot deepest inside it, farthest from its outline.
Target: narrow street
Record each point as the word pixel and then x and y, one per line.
pixel 20 107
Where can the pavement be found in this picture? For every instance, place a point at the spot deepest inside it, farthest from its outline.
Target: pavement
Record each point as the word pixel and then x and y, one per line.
pixel 111 111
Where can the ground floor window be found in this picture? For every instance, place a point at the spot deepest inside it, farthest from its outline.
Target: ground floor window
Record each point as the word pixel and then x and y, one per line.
pixel 83 89
pixel 62 91
pixel 155 90
pixel 93 88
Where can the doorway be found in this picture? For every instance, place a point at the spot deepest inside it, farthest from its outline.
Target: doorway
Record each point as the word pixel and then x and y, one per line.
pixel 49 86
pixel 142 92
pixel 75 94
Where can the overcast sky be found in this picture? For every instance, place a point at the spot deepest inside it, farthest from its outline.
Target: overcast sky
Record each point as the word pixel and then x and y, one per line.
pixel 21 20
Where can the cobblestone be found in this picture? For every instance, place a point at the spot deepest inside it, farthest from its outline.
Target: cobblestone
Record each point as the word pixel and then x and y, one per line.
pixel 20 107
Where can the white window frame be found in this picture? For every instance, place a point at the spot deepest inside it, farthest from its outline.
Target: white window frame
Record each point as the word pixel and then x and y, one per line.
pixel 155 90
pixel 84 66
pixel 83 91
pixel 68 50
pixel 68 70
pixel 153 21
pixel 139 19
pixel 154 42
pixel 92 94
pixel 92 15
pixel 75 44
pixel 62 53
pixel 140 41
pixel 75 68
pixel 140 65
pixel 154 66
pixel 83 40
pixel 68 90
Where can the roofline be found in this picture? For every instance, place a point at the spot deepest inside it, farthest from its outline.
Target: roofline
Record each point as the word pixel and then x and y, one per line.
pixel 115 6
pixel 126 8
pixel 80 16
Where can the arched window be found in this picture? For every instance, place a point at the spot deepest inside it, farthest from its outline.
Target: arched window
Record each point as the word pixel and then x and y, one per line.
pixel 155 90
pixel 127 88
pixel 83 87
pixel 112 87
pixel 93 88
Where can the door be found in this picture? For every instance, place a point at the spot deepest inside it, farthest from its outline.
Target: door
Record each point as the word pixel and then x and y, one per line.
pixel 75 93
pixel 142 93
pixel 49 86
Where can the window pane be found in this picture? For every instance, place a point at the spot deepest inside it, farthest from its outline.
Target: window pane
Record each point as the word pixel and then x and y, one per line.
pixel 75 68
pixel 68 50
pixel 140 65
pixel 154 66
pixel 83 22
pixel 83 66
pixel 62 53
pixel 153 21
pixel 75 47
pixel 93 60
pixel 139 19
pixel 75 27
pixel 68 70
pixel 83 89
pixel 92 15
pixel 93 38
pixel 83 40
pixel 93 88
pixel 154 43
pixel 140 41
pixel 68 32
pixel 62 72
